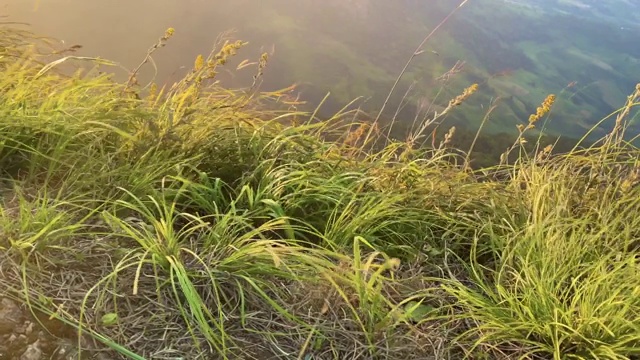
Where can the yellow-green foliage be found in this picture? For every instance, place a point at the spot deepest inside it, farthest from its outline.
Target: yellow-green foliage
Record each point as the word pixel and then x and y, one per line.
pixel 204 222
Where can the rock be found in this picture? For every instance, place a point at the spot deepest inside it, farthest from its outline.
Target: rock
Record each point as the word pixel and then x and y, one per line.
pixel 66 350
pixel 10 316
pixel 33 352
pixel 29 328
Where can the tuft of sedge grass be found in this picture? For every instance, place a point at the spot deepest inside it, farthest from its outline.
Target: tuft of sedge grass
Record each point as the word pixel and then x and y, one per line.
pixel 239 266
pixel 360 281
pixel 565 284
pixel 38 222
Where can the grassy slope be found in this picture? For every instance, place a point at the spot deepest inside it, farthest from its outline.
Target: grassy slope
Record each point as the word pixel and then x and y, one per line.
pixel 203 226
pixel 534 45
pixel 489 35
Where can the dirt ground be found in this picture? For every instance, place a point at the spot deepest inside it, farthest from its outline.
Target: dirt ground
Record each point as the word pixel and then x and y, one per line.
pixel 23 337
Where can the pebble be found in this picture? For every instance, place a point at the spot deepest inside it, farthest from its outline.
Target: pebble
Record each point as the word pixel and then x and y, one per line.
pixel 29 328
pixel 10 316
pixel 22 339
pixel 33 352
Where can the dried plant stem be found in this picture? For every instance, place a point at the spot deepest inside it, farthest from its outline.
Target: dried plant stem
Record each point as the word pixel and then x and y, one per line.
pixel 467 159
pixel 416 52
pixel 160 43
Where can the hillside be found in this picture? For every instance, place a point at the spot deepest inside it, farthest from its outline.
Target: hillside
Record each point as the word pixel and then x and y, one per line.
pixel 518 51
pixel 619 12
pixel 515 53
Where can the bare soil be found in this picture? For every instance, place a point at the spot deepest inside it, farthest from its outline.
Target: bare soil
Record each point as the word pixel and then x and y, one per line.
pixel 24 336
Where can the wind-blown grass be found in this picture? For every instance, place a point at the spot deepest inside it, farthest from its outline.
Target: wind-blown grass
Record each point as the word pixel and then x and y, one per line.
pixel 201 222
pixel 565 284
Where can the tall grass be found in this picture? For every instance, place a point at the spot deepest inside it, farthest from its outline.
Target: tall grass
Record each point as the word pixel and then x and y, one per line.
pixel 196 221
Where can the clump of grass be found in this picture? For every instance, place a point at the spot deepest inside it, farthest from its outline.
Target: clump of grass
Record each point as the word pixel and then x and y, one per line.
pixel 564 285
pixel 37 222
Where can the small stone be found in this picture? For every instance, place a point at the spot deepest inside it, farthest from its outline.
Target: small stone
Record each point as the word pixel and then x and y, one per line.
pixel 66 350
pixel 29 328
pixel 101 356
pixel 33 352
pixel 10 316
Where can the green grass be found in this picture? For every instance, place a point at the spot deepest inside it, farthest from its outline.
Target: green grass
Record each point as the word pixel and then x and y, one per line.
pixel 201 222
